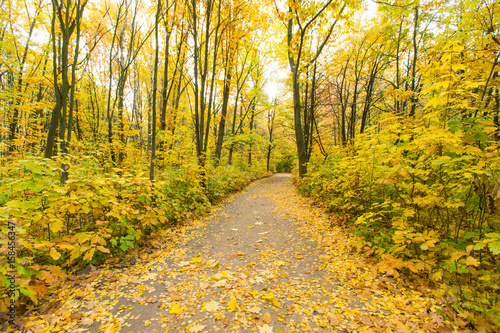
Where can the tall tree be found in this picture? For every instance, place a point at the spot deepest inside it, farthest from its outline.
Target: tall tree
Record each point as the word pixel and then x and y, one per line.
pixel 302 20
pixel 66 17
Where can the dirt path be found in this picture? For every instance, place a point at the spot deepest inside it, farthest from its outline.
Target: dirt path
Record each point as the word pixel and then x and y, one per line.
pixel 266 261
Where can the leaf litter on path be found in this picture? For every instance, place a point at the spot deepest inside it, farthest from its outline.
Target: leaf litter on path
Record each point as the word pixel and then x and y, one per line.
pixel 292 271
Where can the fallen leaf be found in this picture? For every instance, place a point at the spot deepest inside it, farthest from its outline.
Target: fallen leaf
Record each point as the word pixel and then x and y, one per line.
pixel 266 329
pixel 365 319
pixel 195 260
pixel 176 309
pixel 232 305
pixel 267 318
pixel 270 297
pixel 334 320
pixel 255 309
pixel 211 306
pixel 86 321
pixel 196 328
pixel 437 319
pixel 176 297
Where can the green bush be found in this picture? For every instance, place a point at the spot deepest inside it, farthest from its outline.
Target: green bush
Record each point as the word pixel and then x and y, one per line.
pixel 425 199
pixel 98 211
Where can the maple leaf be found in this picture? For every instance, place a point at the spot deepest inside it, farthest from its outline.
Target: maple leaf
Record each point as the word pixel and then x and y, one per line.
pixel 437 319
pixel 280 263
pixel 365 319
pixel 211 306
pixel 470 261
pixel 266 329
pixel 176 297
pixel 176 309
pixel 196 328
pixel 270 297
pixel 400 327
pixel 220 283
pixel 334 320
pixel 255 309
pixel 86 321
pixel 259 279
pixel 232 305
pixel 54 254
pixel 267 318
pixel 196 260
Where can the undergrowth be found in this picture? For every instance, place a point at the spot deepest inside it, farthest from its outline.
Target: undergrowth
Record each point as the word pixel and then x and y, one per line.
pixel 100 211
pixel 425 196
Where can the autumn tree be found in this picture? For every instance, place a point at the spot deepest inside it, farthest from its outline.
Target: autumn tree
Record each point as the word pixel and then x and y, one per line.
pixel 303 22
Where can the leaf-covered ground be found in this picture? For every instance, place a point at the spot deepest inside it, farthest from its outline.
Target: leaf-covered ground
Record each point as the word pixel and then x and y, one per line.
pixel 265 261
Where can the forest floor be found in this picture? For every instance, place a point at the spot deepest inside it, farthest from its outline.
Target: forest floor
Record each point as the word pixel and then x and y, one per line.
pixel 266 260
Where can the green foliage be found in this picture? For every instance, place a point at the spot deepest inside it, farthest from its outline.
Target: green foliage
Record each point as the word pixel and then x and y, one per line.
pixel 424 196
pixel 286 163
pixel 230 178
pixel 99 211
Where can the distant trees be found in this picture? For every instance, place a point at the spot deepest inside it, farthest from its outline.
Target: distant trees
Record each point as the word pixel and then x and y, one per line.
pixel 131 77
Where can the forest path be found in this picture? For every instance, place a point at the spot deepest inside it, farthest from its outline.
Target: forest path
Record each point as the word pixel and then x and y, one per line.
pixel 265 261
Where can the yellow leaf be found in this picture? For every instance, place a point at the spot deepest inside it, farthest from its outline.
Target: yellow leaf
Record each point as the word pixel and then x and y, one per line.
pixel 471 261
pixel 147 323
pixel 89 255
pixel 196 260
pixel 54 254
pixel 266 329
pixel 196 328
pixel 56 226
pixel 270 297
pixel 254 309
pixel 267 318
pixel 437 276
pixel 65 246
pixel 232 305
pixel 484 278
pixel 211 306
pixel 176 309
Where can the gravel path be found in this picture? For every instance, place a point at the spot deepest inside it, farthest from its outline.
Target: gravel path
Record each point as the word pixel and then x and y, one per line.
pixel 264 261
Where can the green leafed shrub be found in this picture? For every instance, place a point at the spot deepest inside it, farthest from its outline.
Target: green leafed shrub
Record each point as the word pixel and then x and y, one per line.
pixel 425 197
pixel 99 211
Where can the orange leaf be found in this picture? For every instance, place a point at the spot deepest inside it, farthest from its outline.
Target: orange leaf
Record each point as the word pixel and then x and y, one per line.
pixel 471 261
pixel 103 249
